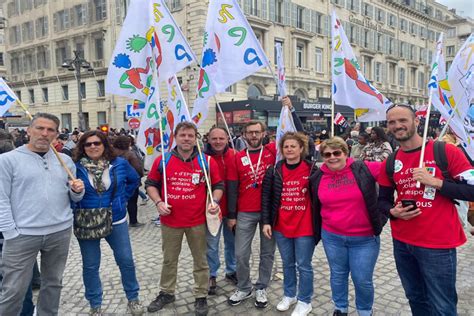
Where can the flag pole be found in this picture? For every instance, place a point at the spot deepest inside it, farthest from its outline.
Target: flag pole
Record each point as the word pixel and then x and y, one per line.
pixel 332 117
pixel 61 161
pixel 208 184
pixel 162 145
pixel 225 122
pixel 445 128
pixel 425 134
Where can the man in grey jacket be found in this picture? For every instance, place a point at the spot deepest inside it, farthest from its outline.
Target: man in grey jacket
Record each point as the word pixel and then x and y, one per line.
pixel 35 216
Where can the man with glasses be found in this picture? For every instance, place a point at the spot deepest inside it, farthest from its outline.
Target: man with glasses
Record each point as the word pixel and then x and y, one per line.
pixel 245 198
pixel 35 216
pixel 425 225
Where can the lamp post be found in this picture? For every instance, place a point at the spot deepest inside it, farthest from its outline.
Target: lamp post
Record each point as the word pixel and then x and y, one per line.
pixel 75 65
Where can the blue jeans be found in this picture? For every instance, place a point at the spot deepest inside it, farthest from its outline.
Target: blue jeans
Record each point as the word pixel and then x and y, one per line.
pixel 213 250
pixel 297 253
pixel 428 277
pixel 119 241
pixel 358 256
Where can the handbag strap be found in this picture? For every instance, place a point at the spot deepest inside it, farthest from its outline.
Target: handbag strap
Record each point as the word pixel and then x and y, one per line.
pixel 114 188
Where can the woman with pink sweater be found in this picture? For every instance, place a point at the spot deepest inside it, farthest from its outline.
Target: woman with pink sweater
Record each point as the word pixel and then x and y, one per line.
pixel 347 220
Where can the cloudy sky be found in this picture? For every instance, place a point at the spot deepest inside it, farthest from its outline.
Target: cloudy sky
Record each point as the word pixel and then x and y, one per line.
pixel 463 7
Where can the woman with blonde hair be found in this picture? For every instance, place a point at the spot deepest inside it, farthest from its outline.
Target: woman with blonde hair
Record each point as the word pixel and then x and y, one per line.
pixel 286 214
pixel 349 223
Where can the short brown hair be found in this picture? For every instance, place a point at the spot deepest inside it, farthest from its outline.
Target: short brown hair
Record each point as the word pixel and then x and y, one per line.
pixel 254 122
pixel 335 142
pixel 301 138
pixel 185 125
pixel 47 116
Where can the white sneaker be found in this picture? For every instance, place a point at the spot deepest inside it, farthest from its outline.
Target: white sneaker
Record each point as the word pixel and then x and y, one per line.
pixel 261 298
pixel 238 297
pixel 285 303
pixel 302 309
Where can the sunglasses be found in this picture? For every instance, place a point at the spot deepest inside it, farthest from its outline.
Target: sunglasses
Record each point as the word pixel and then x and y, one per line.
pixel 406 106
pixel 336 153
pixel 96 144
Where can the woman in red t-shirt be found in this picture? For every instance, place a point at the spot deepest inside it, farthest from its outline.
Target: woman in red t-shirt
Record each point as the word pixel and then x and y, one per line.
pixel 286 213
pixel 348 222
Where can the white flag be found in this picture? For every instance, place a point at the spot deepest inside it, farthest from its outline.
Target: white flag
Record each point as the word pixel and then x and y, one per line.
pixel 370 115
pixel 175 111
pixel 449 98
pixel 149 139
pixel 149 38
pixel 285 124
pixel 350 88
pixel 7 97
pixel 231 52
pixel 281 70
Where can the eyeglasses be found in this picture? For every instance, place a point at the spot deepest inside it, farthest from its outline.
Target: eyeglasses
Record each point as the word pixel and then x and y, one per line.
pixel 406 106
pixel 96 144
pixel 253 133
pixel 328 154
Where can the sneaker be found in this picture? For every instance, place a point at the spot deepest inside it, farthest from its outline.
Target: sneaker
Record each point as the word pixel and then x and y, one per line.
pixel 136 225
pixel 96 311
pixel 261 298
pixel 285 303
pixel 160 301
pixel 200 306
pixel 238 297
pixel 136 308
pixel 302 309
pixel 339 313
pixel 232 277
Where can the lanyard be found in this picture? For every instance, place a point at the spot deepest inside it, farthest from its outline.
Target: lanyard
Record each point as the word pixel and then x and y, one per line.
pixel 255 171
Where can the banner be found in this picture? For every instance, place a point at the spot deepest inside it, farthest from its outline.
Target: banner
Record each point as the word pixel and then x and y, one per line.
pixel 349 86
pixel 285 124
pixel 340 120
pixel 281 70
pixel 7 97
pixel 149 38
pixel 231 53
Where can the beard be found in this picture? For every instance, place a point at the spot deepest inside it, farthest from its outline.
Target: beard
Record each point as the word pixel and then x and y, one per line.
pixel 254 143
pixel 409 133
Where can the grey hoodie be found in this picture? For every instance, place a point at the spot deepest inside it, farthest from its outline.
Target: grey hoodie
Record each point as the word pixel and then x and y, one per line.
pixel 34 193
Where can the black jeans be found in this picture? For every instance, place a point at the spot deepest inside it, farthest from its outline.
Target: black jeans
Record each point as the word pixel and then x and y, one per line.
pixel 132 207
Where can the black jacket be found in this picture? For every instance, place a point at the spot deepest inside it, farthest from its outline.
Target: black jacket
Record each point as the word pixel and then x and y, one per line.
pixel 367 185
pixel 272 187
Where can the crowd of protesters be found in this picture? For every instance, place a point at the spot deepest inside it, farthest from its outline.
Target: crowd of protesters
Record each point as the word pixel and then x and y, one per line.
pixel 337 190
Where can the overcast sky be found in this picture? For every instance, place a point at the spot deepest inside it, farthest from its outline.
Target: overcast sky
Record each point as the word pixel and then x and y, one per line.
pixel 463 7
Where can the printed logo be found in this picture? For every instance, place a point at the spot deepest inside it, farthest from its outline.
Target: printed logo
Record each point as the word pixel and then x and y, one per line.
pixel 398 166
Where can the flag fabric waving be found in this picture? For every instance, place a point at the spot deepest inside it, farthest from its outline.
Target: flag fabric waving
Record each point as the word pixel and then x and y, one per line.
pixel 7 97
pixel 285 124
pixel 421 112
pixel 450 101
pixel 231 52
pixel 370 115
pixel 340 120
pixel 281 70
pixel 350 88
pixel 149 38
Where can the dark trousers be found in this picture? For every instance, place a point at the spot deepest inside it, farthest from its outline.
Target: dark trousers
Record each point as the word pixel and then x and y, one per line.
pixel 132 207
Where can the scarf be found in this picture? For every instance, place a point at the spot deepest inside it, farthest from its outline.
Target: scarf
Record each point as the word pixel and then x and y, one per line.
pixel 96 169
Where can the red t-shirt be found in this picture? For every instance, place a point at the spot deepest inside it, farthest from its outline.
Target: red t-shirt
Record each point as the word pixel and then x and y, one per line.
pixel 294 216
pixel 187 191
pixel 227 172
pixel 250 187
pixel 438 226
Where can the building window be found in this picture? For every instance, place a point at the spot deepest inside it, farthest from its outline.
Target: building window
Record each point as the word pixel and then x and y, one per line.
pixel 27 31
pixel 319 60
pixel 42 58
pixel 403 25
pixel 254 92
pixel 41 27
pixel 299 17
pixel 100 88
pixel 99 48
pixel 450 51
pixel 80 14
pixel 83 90
pixel 451 32
pixel 378 72
pixel 2 63
pixel 380 15
pixel 368 10
pixel 61 53
pixel 391 71
pixel 392 20
pixel 448 64
pixel 367 70
pixel 100 7
pixel 31 93
pixel 101 117
pixel 45 94
pixel 299 55
pixel 279 11
pixel 301 94
pixel 401 77
pixel 231 89
pixel 66 121
pixel 18 94
pixel 413 77
pixel 65 90
pixel 421 80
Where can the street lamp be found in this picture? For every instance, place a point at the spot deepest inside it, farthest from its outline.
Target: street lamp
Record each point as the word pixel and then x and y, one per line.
pixel 75 65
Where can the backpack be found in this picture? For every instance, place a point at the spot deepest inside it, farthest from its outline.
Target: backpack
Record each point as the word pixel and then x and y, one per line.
pixel 168 155
pixel 439 150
